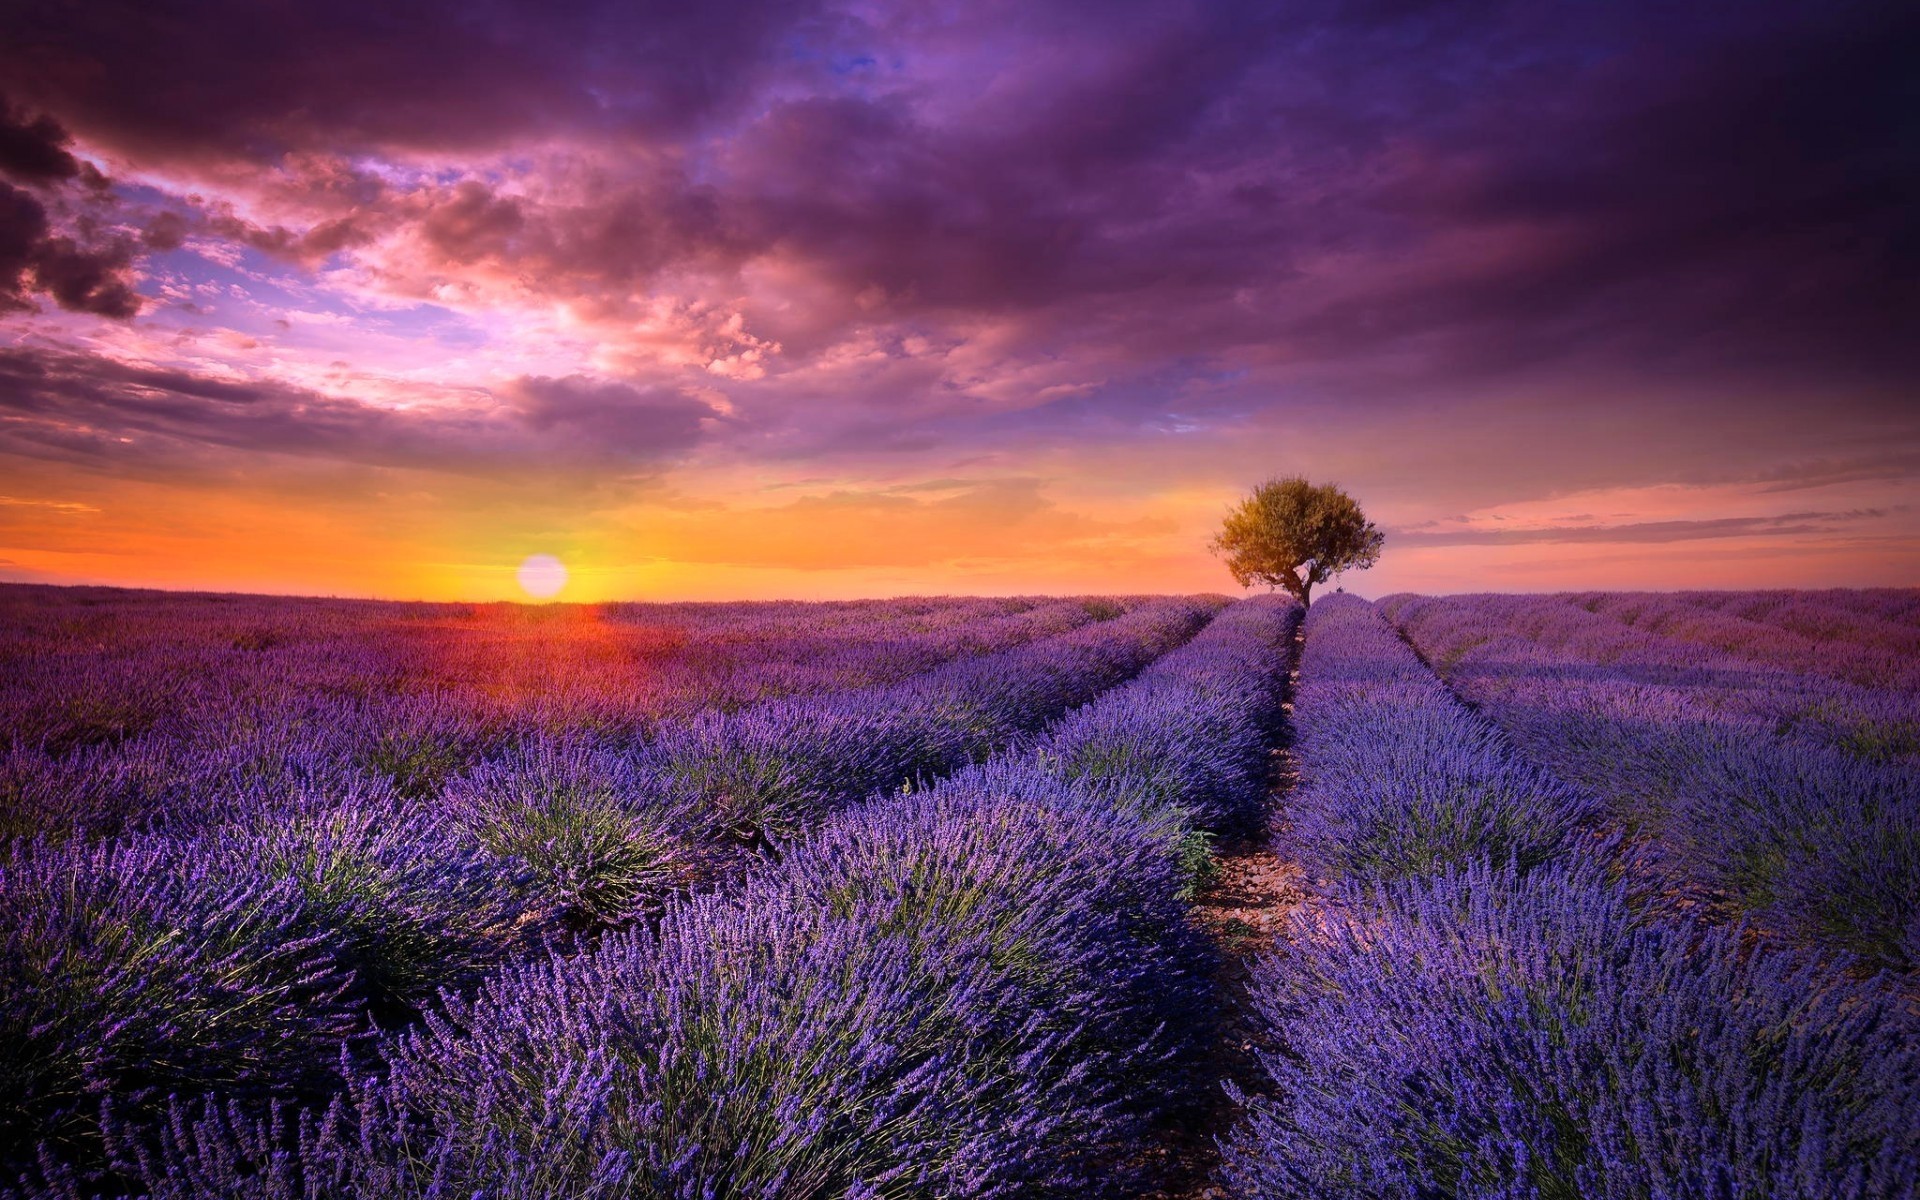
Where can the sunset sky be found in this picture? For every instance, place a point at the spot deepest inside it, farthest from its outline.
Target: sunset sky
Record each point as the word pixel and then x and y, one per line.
pixel 817 299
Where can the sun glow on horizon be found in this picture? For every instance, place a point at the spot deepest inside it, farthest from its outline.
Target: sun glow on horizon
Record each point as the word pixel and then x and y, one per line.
pixel 542 576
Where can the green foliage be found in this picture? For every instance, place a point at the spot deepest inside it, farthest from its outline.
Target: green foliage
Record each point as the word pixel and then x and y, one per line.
pixel 80 721
pixel 1198 867
pixel 1880 741
pixel 418 762
pixel 601 847
pixel 1291 534
pixel 597 860
pixel 256 639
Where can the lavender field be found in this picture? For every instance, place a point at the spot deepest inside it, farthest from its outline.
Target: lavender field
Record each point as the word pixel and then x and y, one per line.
pixel 1599 895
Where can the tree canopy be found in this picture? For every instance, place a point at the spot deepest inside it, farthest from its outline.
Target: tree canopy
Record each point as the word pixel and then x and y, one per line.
pixel 1292 534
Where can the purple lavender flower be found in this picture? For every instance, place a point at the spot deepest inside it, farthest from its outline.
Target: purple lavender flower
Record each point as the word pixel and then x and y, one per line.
pixel 595 830
pixel 1397 778
pixel 1490 1034
pixel 132 970
pixel 1696 757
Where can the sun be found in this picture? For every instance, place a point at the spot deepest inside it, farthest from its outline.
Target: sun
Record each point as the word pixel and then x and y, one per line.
pixel 542 576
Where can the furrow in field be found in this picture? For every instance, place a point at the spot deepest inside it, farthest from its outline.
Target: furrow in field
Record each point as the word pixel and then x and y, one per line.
pixel 1241 906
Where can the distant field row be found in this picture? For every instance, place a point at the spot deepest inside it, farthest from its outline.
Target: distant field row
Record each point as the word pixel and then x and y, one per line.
pixel 115 704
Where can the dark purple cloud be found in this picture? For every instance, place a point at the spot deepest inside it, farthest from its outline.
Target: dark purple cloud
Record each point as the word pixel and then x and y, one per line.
pixel 23 228
pixel 165 231
pixel 235 78
pixel 33 149
pixel 643 422
pixel 81 278
pixel 88 276
pixel 1721 187
pixel 85 410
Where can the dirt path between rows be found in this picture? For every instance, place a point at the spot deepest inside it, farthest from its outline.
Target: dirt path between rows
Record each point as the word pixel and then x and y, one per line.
pixel 1242 911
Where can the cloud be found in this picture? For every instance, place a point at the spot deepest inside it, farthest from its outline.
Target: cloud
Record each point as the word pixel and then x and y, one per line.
pixel 1461 254
pixel 34 150
pixel 88 279
pixel 243 79
pixel 646 422
pixel 1643 532
pixel 95 412
pixel 1894 464
pixel 1446 192
pixel 64 507
pixel 23 228
pixel 90 276
pixel 165 231
pixel 80 278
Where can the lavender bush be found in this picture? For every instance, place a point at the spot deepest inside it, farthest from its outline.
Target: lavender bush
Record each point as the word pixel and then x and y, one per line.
pixel 953 993
pixel 437 901
pixel 129 971
pixel 1193 732
pixel 1804 836
pixel 1804 637
pixel 1489 1034
pixel 401 900
pixel 1875 723
pixel 592 826
pixel 947 993
pixel 1398 779
pixel 129 711
pixel 950 992
pixel 771 770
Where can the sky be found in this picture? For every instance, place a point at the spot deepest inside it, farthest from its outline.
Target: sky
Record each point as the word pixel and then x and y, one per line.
pixel 796 299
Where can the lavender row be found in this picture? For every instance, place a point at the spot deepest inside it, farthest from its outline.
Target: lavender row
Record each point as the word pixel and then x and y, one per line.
pixel 945 994
pixel 552 836
pixel 1484 1033
pixel 1804 637
pixel 956 991
pixel 606 835
pixel 1397 778
pixel 1817 843
pixel 1876 724
pixel 95 666
pixel 244 960
pixel 123 714
pixel 1867 615
pixel 768 771
pixel 134 969
pixel 1193 733
pixel 1475 1011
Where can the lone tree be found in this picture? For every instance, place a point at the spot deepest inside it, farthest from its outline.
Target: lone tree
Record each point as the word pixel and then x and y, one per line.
pixel 1291 534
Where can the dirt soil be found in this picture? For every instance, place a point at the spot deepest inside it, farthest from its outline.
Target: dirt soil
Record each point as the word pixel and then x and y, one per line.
pixel 1243 912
